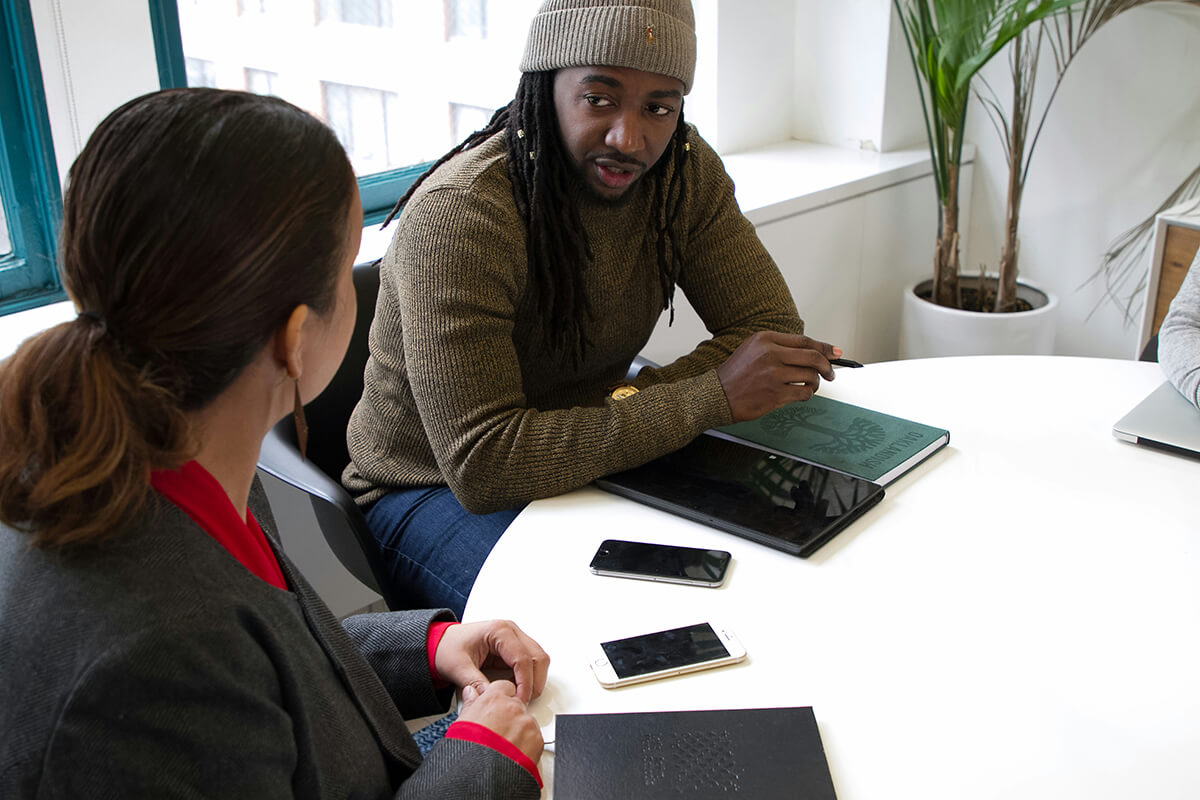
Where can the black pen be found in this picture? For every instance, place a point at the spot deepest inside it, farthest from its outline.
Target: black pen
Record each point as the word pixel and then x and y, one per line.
pixel 844 362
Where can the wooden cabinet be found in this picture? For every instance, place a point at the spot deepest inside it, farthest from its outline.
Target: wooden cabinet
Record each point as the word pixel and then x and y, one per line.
pixel 1176 242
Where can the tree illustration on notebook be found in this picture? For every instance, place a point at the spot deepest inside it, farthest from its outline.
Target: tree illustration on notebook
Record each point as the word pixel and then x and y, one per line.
pixel 859 435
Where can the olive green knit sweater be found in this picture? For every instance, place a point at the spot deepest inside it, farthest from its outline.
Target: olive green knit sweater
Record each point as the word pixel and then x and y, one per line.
pixel 460 390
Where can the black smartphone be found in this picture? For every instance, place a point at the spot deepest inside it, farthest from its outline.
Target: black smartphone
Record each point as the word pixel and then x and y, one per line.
pixel 660 562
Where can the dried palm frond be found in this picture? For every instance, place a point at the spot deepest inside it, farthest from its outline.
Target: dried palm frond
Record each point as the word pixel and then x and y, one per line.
pixel 1123 267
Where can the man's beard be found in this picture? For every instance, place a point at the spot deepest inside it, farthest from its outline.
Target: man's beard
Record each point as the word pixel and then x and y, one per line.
pixel 580 176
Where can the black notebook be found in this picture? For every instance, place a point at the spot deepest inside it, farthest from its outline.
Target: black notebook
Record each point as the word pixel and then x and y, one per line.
pixel 760 753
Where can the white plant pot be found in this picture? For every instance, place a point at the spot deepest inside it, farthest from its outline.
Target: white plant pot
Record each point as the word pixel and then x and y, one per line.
pixel 928 330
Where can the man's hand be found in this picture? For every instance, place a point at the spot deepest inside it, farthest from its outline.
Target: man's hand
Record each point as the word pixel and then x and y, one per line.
pixel 771 369
pixel 466 650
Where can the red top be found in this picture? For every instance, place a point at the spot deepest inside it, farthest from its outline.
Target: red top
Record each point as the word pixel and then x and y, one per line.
pixel 199 495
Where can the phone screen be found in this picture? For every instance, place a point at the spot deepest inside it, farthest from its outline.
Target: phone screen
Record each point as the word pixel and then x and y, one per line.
pixel 663 650
pixel 661 561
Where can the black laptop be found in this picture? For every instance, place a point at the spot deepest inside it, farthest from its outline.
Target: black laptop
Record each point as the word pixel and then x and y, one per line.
pixel 782 502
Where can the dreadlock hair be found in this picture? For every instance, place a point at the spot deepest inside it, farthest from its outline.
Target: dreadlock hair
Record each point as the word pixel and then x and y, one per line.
pixel 555 243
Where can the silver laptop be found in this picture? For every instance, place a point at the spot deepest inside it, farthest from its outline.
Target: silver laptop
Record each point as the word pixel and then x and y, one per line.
pixel 1164 419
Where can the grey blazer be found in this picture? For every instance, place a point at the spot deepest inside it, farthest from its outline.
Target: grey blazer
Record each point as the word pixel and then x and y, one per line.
pixel 157 666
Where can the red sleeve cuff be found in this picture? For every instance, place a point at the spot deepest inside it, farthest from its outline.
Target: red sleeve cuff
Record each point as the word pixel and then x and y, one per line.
pixel 474 732
pixel 436 631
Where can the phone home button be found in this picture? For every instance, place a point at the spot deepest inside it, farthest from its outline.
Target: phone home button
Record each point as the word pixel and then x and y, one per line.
pixel 601 662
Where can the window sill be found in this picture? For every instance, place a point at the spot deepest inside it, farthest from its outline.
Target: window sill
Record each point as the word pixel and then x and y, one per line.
pixel 788 178
pixel 19 326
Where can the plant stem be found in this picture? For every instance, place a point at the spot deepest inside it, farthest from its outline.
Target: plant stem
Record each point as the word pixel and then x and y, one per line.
pixel 945 259
pixel 1023 66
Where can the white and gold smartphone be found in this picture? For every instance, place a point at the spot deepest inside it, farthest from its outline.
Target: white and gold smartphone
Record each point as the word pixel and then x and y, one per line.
pixel 663 654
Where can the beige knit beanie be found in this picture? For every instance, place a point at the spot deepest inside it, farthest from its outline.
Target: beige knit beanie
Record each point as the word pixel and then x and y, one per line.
pixel 656 36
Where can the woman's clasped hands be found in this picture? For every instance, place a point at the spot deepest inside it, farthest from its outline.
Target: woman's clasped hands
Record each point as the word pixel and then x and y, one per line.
pixel 464 654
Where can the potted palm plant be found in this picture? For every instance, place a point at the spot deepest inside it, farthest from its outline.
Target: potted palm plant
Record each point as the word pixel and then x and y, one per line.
pixel 949 41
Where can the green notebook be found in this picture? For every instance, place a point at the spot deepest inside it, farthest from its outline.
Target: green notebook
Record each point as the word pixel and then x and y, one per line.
pixel 845 437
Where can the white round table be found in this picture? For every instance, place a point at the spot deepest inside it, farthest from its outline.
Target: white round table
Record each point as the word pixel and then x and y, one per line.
pixel 1019 617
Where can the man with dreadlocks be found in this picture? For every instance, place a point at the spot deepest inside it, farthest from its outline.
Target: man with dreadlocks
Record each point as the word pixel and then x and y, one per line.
pixel 529 268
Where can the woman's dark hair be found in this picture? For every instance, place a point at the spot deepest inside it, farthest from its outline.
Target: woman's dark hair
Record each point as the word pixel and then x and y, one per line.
pixel 194 222
pixel 556 245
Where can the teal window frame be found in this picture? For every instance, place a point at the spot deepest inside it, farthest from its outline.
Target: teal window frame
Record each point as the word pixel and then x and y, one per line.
pixel 29 183
pixel 378 191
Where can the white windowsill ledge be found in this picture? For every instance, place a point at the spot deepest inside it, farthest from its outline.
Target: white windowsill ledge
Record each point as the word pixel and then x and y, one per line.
pixel 789 178
pixel 773 182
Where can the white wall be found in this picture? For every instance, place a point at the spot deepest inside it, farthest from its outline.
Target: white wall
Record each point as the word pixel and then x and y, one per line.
pixel 841 71
pixel 853 84
pixel 847 251
pixel 903 125
pixel 1123 133
pixel 754 82
pixel 742 96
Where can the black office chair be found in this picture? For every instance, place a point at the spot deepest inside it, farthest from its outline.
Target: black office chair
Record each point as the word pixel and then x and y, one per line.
pixel 1150 352
pixel 319 476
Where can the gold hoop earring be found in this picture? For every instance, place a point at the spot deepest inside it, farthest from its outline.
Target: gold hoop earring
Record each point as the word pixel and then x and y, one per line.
pixel 301 422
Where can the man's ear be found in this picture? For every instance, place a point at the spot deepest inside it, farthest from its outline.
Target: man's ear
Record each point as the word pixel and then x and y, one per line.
pixel 289 341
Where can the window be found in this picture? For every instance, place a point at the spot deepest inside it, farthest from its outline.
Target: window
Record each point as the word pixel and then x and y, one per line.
pixel 260 81
pixel 30 199
pixel 465 120
pixel 368 123
pixel 466 19
pixel 246 7
pixel 360 65
pixel 5 242
pixel 377 13
pixel 201 73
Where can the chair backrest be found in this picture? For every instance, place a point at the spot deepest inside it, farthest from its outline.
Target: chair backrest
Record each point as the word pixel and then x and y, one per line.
pixel 329 413
pixel 639 362
pixel 1150 351
pixel 319 475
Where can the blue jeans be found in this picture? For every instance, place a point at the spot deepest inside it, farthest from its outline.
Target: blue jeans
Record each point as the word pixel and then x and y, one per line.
pixel 432 547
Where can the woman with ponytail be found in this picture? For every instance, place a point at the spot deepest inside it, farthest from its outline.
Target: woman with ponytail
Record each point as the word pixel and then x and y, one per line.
pixel 155 640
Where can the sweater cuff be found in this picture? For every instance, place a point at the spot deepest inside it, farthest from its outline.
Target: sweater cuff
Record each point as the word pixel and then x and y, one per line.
pixel 711 404
pixel 474 732
pixel 436 631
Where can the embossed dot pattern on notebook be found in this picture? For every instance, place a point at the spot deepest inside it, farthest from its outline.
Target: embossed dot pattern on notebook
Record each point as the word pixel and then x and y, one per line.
pixel 690 761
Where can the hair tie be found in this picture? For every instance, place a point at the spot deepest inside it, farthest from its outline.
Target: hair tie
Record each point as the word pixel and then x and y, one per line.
pixel 97 319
